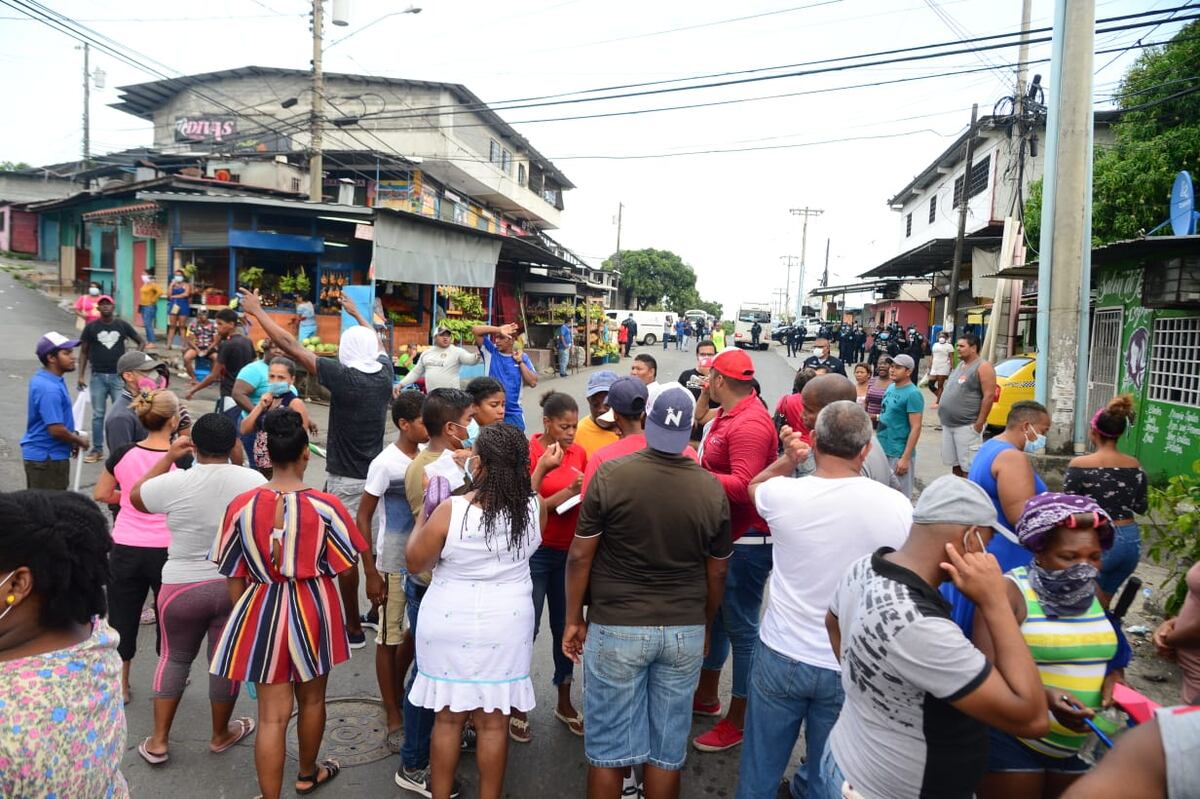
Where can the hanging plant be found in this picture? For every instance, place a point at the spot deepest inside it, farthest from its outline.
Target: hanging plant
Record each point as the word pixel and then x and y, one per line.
pixel 251 277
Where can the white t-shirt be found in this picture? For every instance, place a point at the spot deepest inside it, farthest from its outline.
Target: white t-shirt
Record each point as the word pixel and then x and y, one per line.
pixel 385 479
pixel 819 527
pixel 194 501
pixel 941 358
pixel 439 366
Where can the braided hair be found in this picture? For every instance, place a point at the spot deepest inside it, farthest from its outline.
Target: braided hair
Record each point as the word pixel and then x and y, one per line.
pixel 503 489
pixel 63 539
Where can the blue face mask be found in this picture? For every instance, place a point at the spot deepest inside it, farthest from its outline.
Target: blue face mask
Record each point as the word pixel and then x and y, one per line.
pixel 279 389
pixel 1037 444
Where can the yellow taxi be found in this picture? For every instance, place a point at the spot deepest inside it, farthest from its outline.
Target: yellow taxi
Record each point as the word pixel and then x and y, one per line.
pixel 1014 382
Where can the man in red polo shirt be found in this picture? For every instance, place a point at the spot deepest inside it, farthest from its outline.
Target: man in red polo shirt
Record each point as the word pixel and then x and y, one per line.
pixel 739 445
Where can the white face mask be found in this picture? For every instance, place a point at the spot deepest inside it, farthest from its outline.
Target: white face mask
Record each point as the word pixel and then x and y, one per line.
pixel 819 352
pixel 978 538
pixel 2 582
pixel 95 292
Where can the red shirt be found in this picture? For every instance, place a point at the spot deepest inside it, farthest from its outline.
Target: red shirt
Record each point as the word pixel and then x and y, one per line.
pixel 739 445
pixel 560 528
pixel 791 407
pixel 619 449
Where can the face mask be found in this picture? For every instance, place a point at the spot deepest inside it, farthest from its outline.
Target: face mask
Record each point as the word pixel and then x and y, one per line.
pixel 2 582
pixel 1037 444
pixel 151 383
pixel 279 389
pixel 978 538
pixel 819 352
pixel 95 292
pixel 179 278
pixel 1064 592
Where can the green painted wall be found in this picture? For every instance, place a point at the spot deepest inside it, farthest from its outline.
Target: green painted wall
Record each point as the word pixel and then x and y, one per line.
pixel 1166 436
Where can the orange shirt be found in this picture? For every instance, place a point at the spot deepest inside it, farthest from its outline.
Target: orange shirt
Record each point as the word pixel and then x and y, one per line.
pixel 592 436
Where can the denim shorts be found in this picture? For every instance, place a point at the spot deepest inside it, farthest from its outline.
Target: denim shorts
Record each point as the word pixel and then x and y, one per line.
pixel 1120 561
pixel 1007 754
pixel 637 694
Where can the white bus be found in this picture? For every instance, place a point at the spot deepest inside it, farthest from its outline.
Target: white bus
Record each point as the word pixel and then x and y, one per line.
pixel 747 315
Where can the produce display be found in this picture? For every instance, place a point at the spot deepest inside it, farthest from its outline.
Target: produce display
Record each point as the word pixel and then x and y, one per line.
pixel 314 344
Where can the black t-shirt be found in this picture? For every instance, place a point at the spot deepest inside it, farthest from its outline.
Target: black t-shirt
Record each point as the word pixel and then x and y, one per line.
pixel 636 576
pixel 106 343
pixel 693 381
pixel 233 353
pixel 358 408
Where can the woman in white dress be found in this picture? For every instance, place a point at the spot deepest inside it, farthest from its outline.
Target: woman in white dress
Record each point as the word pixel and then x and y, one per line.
pixel 475 628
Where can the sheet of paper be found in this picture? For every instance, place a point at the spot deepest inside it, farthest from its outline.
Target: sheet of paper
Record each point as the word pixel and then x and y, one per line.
pixel 570 503
pixel 446 467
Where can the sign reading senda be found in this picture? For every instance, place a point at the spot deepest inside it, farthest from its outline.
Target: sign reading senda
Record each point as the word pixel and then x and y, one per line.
pixel 205 128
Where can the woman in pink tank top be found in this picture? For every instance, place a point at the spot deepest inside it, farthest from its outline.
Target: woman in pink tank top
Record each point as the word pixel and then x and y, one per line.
pixel 139 539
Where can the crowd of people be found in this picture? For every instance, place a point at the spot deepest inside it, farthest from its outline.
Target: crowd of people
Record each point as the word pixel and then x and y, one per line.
pixel 962 646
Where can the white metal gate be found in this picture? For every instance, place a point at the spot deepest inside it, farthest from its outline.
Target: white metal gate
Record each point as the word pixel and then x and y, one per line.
pixel 1105 363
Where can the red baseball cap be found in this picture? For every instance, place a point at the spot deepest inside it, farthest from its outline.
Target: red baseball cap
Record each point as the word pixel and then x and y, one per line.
pixel 734 364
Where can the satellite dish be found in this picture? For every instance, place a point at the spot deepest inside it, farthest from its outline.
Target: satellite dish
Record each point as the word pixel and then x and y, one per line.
pixel 1183 205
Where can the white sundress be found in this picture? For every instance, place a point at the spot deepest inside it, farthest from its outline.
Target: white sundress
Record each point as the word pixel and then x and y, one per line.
pixel 475 626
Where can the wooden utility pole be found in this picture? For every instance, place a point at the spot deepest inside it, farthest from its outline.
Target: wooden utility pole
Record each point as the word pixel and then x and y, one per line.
pixel 316 117
pixel 951 321
pixel 87 102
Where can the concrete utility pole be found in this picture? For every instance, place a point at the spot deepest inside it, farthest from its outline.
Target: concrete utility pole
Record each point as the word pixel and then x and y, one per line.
pixel 804 213
pixel 825 274
pixel 1065 255
pixel 951 321
pixel 316 117
pixel 790 260
pixel 87 102
pixel 620 211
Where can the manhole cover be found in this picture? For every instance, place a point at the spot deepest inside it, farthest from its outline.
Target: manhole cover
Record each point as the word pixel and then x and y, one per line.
pixel 355 732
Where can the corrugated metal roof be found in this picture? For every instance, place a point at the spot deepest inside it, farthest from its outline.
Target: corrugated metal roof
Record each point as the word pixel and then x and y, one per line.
pixel 134 209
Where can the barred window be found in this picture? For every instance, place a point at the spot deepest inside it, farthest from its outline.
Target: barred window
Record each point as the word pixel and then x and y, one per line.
pixel 908 224
pixel 933 209
pixel 1175 361
pixel 980 172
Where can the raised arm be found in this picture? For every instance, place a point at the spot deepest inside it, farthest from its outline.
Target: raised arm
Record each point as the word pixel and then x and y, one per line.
pixel 283 339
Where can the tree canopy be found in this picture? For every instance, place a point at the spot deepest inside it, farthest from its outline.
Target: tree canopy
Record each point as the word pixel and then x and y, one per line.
pixel 1157 135
pixel 12 166
pixel 658 278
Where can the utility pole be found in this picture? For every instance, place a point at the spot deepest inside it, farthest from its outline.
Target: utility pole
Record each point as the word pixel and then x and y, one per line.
pixel 951 321
pixel 825 274
pixel 1065 255
pixel 620 210
pixel 316 120
pixel 87 101
pixel 790 260
pixel 804 213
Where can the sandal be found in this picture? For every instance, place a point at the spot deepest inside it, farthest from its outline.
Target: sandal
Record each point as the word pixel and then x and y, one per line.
pixel 153 758
pixel 518 730
pixel 245 727
pixel 574 723
pixel 332 769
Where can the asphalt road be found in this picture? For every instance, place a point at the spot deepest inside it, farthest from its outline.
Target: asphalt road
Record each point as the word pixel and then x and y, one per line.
pixel 551 766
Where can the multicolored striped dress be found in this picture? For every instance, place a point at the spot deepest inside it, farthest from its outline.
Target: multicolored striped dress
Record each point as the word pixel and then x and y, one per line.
pixel 1072 654
pixel 289 625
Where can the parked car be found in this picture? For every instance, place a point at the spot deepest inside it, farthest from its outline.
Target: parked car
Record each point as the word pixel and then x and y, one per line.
pixel 1014 382
pixel 650 324
pixel 781 333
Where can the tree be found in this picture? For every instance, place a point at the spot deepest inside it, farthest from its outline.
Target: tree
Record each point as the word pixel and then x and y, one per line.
pixel 652 277
pixel 13 166
pixel 1157 135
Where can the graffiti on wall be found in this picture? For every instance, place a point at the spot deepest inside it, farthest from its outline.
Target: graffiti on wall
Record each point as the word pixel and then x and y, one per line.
pixel 1137 357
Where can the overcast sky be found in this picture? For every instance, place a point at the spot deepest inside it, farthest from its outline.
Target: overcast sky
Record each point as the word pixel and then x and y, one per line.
pixel 726 214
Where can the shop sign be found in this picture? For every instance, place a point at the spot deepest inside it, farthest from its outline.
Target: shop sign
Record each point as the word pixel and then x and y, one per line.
pixel 146 227
pixel 205 128
pixel 364 232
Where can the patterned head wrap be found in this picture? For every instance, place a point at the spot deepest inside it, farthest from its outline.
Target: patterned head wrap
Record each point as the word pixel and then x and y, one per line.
pixel 1046 512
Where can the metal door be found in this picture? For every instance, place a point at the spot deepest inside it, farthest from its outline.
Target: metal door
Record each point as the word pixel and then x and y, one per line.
pixel 1105 363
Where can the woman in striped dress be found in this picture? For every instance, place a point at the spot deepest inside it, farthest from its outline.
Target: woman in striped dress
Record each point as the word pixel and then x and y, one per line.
pixel 280 546
pixel 1078 650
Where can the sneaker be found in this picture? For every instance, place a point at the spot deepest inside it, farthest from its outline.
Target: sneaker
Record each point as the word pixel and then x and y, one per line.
pixel 721 737
pixel 701 709
pixel 468 738
pixel 94 456
pixel 418 781
pixel 357 640
pixel 631 788
pixel 370 621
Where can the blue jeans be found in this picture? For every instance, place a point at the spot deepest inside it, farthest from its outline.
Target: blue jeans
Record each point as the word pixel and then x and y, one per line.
pixel 784 694
pixel 736 624
pixel 149 320
pixel 104 387
pixel 548 570
pixel 1120 561
pixel 418 721
pixel 637 694
pixel 564 357
pixel 831 776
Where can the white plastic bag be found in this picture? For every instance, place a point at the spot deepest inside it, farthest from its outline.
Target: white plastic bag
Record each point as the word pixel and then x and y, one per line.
pixel 81 411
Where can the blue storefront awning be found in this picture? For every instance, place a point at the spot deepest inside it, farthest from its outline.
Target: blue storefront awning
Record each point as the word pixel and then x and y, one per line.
pixel 284 242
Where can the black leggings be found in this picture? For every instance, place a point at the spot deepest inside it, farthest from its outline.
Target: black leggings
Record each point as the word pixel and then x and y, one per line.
pixel 135 570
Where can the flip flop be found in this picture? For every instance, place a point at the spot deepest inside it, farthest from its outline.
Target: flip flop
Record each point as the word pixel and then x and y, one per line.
pixel 151 757
pixel 332 769
pixel 518 730
pixel 574 723
pixel 245 727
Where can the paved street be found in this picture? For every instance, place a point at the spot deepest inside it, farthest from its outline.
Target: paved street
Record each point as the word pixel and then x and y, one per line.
pixel 552 765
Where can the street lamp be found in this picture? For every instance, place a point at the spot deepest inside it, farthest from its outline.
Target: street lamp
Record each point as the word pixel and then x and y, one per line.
pixel 409 10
